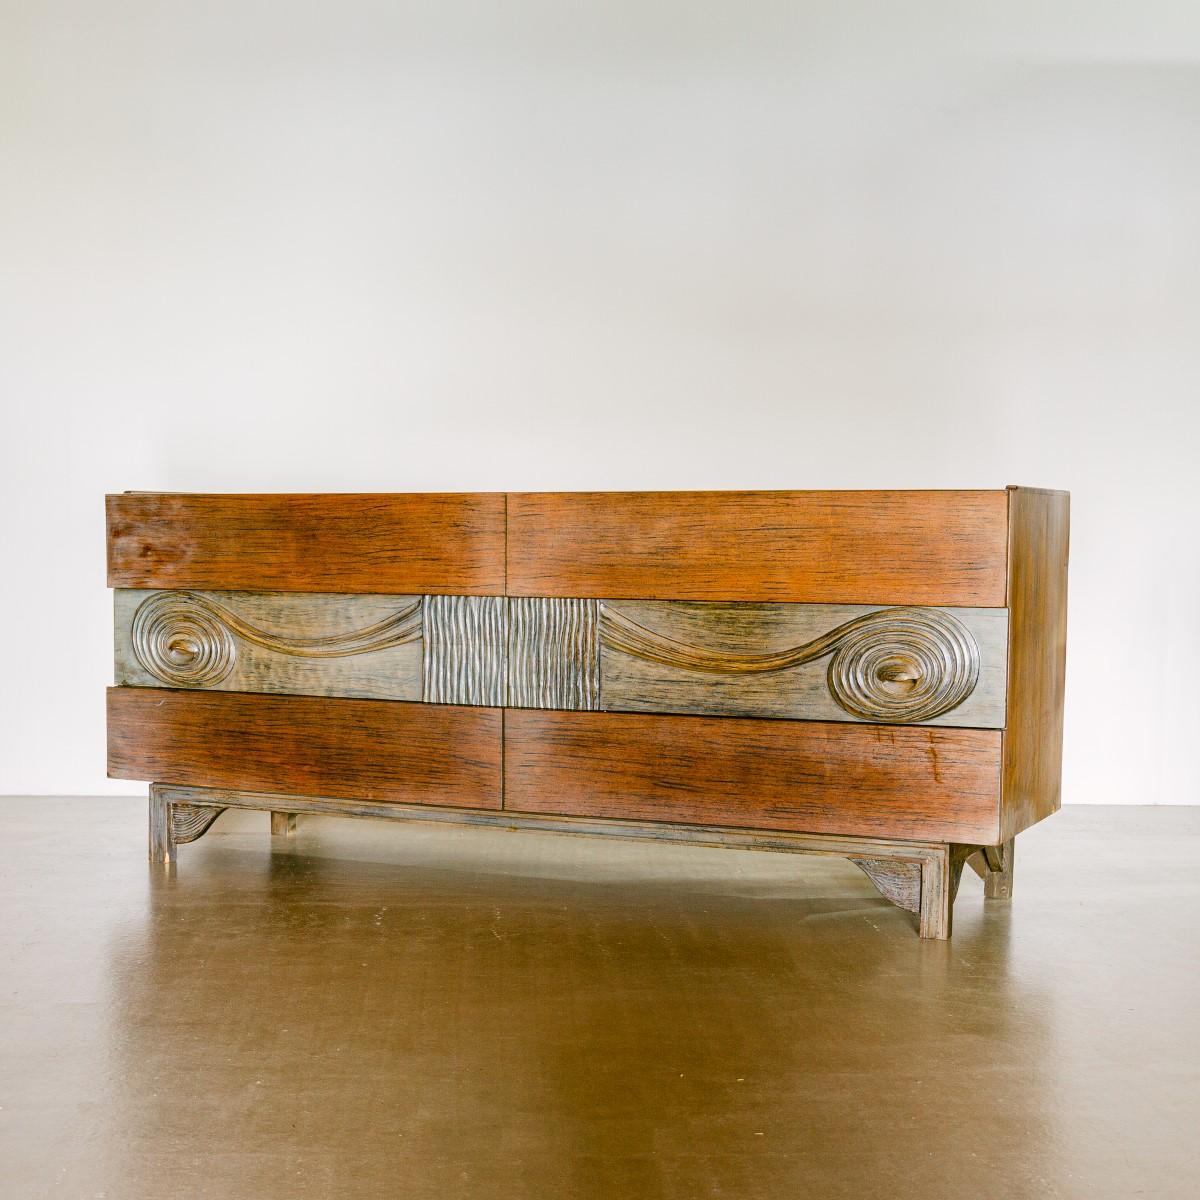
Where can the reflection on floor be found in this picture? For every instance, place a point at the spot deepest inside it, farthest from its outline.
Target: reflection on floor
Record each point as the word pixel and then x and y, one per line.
pixel 379 1010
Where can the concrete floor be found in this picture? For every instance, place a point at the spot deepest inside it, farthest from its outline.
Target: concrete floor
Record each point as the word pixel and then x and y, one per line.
pixel 377 1010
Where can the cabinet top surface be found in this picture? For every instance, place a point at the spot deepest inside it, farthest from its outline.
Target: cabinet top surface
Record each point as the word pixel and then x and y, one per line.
pixel 625 492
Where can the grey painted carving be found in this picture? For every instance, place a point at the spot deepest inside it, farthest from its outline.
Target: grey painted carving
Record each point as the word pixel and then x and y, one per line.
pixel 464 650
pixel 894 666
pixel 291 643
pixel 553 653
pixel 795 661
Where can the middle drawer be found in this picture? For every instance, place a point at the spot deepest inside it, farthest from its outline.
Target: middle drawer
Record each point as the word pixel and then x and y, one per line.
pixel 818 662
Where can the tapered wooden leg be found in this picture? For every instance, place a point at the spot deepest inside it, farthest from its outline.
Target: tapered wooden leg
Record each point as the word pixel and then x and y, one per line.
pixel 283 824
pixel 994 865
pixel 937 904
pixel 162 835
pixel 998 882
pixel 940 875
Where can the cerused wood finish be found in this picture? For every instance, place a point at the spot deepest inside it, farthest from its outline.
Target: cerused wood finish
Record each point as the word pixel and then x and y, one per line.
pixel 879 548
pixel 1038 547
pixel 825 662
pixel 865 780
pixel 435 543
pixel 702 657
pixel 288 643
pixel 369 749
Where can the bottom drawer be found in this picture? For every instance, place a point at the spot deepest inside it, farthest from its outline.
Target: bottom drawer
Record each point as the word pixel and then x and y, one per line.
pixel 307 745
pixel 888 781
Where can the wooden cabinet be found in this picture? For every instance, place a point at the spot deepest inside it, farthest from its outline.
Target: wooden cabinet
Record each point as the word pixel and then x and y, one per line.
pixel 883 669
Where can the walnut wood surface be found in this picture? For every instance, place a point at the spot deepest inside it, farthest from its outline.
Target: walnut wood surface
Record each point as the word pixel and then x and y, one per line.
pixel 362 749
pixel 861 780
pixel 1039 542
pixel 435 543
pixel 880 548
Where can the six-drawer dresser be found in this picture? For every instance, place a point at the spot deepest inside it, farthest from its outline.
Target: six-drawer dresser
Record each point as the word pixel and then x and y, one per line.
pixel 871 674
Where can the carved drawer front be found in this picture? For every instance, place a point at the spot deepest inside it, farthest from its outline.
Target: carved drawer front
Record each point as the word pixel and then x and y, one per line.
pixel 870 781
pixel 880 548
pixel 889 665
pixel 308 745
pixel 290 643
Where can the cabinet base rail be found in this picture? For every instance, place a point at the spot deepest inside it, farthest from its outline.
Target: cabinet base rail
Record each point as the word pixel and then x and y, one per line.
pixel 919 877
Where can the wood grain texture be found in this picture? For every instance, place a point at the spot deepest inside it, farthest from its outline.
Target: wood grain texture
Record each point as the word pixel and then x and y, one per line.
pixel 899 882
pixel 190 822
pixel 283 824
pixel 881 548
pixel 1039 544
pixel 859 780
pixel 365 749
pixel 390 673
pixel 398 544
pixel 995 866
pixel 162 836
pixel 738 632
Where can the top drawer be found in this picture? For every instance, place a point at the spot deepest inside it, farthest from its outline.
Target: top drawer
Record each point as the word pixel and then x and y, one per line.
pixel 448 543
pixel 882 548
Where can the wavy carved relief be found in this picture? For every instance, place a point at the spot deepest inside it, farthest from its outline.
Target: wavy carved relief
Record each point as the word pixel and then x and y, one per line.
pixel 901 665
pixel 282 643
pixel 554 653
pixel 191 821
pixel 898 665
pixel 188 639
pixel 464 658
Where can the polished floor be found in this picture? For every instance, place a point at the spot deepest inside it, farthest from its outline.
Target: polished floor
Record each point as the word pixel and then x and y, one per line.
pixel 400 1011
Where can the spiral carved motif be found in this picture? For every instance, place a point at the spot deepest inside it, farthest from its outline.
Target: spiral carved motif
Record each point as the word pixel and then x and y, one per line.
pixel 899 665
pixel 904 665
pixel 177 638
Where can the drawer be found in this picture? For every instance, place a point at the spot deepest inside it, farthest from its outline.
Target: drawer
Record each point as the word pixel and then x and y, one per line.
pixel 308 745
pixel 812 777
pixel 437 543
pixel 814 662
pixel 822 662
pixel 886 547
pixel 289 643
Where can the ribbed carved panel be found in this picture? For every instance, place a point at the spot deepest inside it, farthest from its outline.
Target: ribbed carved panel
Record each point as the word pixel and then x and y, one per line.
pixel 554 653
pixel 464 640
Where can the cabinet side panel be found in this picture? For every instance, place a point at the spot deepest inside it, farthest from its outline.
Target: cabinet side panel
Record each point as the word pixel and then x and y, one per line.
pixel 390 544
pixel 873 781
pixel 1039 535
pixel 308 745
pixel 930 548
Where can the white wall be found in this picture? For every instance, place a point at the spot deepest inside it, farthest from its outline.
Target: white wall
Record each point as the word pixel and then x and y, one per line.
pixel 260 245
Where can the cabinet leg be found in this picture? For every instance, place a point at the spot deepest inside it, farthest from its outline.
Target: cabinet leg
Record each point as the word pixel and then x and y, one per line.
pixel 162 834
pixel 998 882
pixel 994 865
pixel 940 875
pixel 173 823
pixel 283 824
